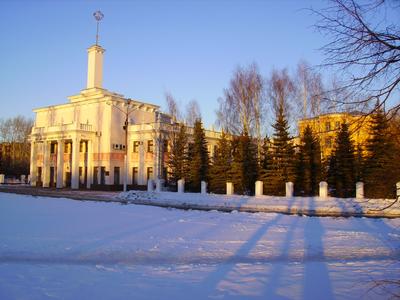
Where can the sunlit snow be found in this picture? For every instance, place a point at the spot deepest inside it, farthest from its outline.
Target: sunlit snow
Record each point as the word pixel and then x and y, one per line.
pixel 59 248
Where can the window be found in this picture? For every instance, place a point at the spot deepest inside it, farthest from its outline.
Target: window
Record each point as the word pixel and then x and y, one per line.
pixel 53 148
pixel 337 125
pixel 149 173
pixel 135 172
pixel 116 175
pixel 327 126
pixel 67 147
pixel 328 142
pixel 95 175
pixel 150 146
pixel 136 146
pixel 165 146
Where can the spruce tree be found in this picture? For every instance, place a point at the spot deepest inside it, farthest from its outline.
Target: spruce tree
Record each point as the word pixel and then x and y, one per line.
pixel 265 159
pixel 178 155
pixel 244 166
pixel 381 168
pixel 282 168
pixel 342 165
pixel 221 166
pixel 199 160
pixel 308 165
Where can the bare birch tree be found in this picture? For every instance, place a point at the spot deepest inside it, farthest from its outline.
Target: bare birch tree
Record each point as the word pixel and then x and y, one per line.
pixel 242 109
pixel 172 107
pixel 365 47
pixel 309 90
pixel 192 113
pixel 281 92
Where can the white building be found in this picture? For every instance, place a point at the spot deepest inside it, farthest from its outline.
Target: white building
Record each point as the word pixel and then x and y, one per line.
pixel 83 142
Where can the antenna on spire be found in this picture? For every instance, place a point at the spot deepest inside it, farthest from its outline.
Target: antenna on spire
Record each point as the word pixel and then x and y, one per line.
pixel 98 15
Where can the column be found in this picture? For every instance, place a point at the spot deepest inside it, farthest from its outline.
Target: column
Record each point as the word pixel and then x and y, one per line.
pixel 60 164
pixel 89 164
pixel 33 167
pixel 46 164
pixel 75 164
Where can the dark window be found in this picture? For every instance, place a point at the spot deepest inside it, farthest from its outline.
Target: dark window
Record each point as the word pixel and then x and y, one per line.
pixel 103 175
pixel 328 142
pixel 95 175
pixel 165 146
pixel 136 146
pixel 53 148
pixel 327 126
pixel 149 173
pixel 150 146
pixel 116 175
pixel 135 175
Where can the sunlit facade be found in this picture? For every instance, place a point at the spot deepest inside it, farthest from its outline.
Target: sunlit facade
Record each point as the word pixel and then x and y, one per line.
pixel 82 143
pixel 326 127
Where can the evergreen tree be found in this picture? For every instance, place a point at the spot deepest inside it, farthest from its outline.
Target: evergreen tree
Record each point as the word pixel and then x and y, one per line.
pixel 221 166
pixel 308 166
pixel 244 167
pixel 265 159
pixel 342 165
pixel 282 168
pixel 381 169
pixel 199 160
pixel 178 155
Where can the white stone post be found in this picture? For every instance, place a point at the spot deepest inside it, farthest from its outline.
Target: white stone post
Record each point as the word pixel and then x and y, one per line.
pixel 150 185
pixel 89 164
pixel 229 188
pixel 398 190
pixel 204 187
pixel 181 186
pixel 289 189
pixel 75 164
pixel 323 189
pixel 2 178
pixel 32 167
pixel 259 188
pixel 159 184
pixel 360 190
pixel 46 164
pixel 23 177
pixel 60 164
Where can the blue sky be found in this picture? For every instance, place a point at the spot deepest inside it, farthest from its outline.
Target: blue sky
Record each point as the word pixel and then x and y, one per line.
pixel 188 48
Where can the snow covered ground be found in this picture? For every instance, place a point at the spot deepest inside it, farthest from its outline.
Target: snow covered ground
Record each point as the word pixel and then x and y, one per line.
pixel 62 249
pixel 295 205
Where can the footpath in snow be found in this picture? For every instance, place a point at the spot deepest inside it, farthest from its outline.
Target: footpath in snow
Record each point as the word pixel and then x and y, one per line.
pixel 310 206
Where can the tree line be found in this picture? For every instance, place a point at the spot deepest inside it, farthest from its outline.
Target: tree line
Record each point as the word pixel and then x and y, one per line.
pixel 246 153
pixel 15 146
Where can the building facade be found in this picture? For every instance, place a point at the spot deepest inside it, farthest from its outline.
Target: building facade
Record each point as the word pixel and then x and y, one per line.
pixel 100 138
pixel 326 127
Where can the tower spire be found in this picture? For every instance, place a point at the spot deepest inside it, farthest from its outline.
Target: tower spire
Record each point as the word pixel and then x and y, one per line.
pixel 98 15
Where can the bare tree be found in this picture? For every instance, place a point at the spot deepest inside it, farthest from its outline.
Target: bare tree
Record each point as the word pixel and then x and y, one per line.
pixel 172 107
pixel 242 107
pixel 14 133
pixel 309 90
pixel 192 113
pixel 365 47
pixel 281 92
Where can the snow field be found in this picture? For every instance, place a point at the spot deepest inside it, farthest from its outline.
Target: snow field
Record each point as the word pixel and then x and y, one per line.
pixel 58 248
